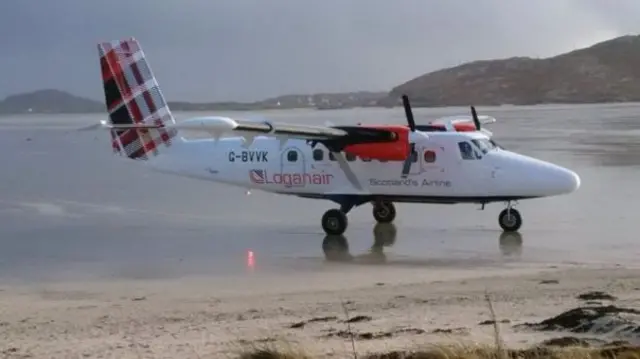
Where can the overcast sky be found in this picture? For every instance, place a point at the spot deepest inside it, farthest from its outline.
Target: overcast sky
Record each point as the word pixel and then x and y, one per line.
pixel 252 49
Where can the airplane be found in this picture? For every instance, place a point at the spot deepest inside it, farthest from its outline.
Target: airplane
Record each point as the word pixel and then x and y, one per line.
pixel 450 161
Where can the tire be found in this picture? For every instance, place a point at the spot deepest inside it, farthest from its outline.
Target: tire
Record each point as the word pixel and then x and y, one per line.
pixel 334 222
pixel 510 223
pixel 384 212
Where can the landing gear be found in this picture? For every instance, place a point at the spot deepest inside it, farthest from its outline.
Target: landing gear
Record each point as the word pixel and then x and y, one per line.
pixel 510 219
pixel 334 222
pixel 384 211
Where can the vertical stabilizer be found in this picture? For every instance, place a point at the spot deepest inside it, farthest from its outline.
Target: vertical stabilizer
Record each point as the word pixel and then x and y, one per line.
pixel 132 96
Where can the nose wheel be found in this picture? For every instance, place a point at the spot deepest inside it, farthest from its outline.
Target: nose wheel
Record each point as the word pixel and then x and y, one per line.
pixel 384 211
pixel 510 220
pixel 334 222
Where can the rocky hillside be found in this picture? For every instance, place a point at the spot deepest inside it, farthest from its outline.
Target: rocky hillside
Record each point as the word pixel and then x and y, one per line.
pixel 605 72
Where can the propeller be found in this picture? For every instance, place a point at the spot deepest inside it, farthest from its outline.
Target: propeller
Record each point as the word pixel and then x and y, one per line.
pixel 412 126
pixel 476 120
pixel 408 113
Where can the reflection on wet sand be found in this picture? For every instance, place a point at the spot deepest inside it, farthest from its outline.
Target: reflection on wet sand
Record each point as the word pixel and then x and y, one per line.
pixel 510 244
pixel 336 247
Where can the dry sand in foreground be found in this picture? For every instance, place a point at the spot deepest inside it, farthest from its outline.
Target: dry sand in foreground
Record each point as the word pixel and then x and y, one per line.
pixel 209 318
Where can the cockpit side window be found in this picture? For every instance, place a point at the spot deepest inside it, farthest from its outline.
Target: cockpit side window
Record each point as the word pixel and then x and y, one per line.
pixel 466 151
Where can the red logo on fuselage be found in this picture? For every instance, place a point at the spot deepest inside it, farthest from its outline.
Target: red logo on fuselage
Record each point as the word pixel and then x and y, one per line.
pixel 290 179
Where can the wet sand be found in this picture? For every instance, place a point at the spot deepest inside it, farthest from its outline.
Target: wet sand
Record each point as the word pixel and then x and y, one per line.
pixel 392 308
pixel 100 258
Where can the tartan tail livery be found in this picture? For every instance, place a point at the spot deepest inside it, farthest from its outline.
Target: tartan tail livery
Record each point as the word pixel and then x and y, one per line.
pixel 448 160
pixel 138 112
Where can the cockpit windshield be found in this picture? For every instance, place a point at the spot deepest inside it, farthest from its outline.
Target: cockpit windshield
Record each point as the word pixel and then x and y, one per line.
pixel 484 144
pixel 481 146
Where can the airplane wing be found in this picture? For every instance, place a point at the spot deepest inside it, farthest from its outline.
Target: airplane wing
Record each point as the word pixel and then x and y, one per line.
pixel 216 125
pixel 334 137
pixel 484 119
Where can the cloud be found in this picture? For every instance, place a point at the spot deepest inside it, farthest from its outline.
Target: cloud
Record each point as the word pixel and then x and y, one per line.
pixel 252 49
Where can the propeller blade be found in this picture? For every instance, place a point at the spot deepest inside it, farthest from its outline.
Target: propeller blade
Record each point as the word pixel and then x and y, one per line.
pixel 406 166
pixel 475 118
pixel 408 113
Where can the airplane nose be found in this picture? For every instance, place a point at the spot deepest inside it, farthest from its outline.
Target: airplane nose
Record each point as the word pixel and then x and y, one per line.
pixel 521 174
pixel 567 181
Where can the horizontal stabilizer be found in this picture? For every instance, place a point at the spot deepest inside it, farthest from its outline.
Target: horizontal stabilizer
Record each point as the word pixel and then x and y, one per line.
pixel 124 126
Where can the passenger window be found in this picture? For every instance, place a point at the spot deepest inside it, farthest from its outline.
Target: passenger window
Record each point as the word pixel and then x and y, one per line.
pixel 318 154
pixel 429 156
pixel 466 151
pixel 365 159
pixel 292 156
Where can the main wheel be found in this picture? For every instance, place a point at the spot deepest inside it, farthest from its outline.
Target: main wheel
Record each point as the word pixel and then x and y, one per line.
pixel 510 222
pixel 334 222
pixel 384 212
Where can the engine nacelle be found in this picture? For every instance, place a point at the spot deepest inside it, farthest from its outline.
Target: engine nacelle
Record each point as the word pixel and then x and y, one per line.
pixel 397 150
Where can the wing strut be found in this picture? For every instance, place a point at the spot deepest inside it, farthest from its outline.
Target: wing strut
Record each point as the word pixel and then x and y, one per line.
pixel 344 166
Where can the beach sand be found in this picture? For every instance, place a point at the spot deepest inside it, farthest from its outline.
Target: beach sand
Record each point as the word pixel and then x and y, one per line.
pixel 392 308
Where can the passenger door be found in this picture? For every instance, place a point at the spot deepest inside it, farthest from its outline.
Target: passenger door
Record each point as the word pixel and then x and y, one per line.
pixel 292 161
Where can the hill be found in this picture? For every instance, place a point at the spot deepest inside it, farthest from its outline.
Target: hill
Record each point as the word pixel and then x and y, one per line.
pixel 48 101
pixel 56 101
pixel 605 72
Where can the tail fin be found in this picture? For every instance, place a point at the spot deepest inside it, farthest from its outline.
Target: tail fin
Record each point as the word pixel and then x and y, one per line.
pixel 133 97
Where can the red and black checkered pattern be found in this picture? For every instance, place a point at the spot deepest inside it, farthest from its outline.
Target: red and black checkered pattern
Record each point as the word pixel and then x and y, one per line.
pixel 132 95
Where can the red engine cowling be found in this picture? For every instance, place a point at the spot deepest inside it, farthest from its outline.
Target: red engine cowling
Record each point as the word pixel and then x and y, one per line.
pixel 397 150
pixel 459 126
pixel 465 127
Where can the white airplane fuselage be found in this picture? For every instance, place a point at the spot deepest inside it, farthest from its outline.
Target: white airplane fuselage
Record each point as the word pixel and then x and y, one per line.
pixel 296 168
pixel 456 162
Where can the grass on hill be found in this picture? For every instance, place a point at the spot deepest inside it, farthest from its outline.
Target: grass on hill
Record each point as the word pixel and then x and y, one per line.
pixel 462 351
pixel 471 352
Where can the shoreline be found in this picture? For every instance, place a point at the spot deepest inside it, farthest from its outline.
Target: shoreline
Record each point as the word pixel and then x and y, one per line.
pixel 397 107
